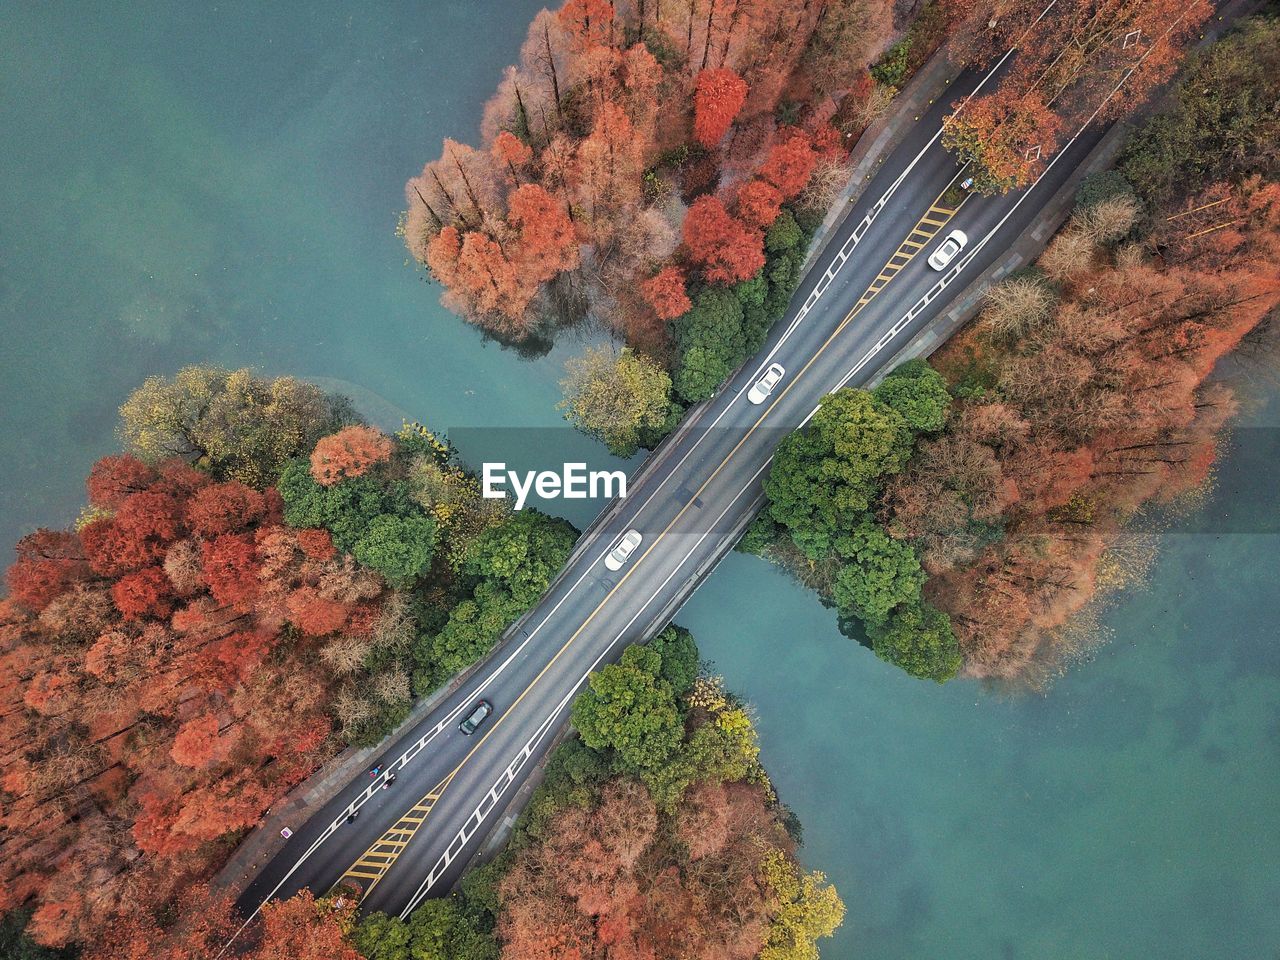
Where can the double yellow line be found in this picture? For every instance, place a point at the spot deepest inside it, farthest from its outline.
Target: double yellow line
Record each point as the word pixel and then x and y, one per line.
pixel 379 858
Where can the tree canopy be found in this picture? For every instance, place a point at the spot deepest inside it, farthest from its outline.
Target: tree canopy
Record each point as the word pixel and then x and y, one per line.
pixel 825 477
pixel 616 396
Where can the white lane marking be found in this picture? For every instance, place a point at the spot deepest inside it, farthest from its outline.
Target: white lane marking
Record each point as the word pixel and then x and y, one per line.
pixel 404 759
pixel 508 776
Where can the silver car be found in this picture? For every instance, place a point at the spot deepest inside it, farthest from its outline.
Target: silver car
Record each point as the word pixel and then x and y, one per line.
pixel 623 551
pixel 947 251
pixel 761 389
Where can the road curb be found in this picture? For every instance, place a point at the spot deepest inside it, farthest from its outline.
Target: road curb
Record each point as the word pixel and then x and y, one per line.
pixel 310 796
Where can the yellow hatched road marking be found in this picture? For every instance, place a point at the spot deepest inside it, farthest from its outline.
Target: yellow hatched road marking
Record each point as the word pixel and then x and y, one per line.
pixel 927 228
pixel 374 863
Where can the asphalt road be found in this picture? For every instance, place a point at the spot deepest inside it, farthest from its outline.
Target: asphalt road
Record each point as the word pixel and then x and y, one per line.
pixel 868 294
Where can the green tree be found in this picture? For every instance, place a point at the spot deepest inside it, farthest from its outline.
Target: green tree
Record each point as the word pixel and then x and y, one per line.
pixel 891 68
pixel 1102 186
pixel 1224 123
pixel 615 396
pixel 878 575
pixel 473 627
pixel 398 547
pixel 725 748
pixel 824 477
pixel 679 653
pixel 346 509
pixel 709 343
pixel 784 234
pixel 236 425
pixel 628 708
pixel 524 553
pixel 439 929
pixel 514 562
pixel 919 639
pixel 805 909
pixel 380 937
pixel 918 392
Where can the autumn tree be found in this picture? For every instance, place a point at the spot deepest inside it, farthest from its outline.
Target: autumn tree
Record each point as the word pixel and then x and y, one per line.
pixel 152 702
pixel 615 395
pixel 1004 143
pixel 665 291
pixel 718 96
pixel 350 452
pixel 789 165
pixel 727 249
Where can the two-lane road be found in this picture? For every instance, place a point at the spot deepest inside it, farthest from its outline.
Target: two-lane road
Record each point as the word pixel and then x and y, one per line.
pixel 869 293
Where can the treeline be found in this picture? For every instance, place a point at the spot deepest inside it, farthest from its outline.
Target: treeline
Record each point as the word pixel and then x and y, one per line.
pixel 260 580
pixel 1080 394
pixel 635 148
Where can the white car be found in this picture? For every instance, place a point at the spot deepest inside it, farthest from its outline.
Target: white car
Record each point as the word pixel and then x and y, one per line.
pixel 760 391
pixel 623 551
pixel 945 253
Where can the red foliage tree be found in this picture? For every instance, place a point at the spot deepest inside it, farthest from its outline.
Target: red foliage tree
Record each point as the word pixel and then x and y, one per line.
pixel 728 250
pixel 316 544
pixel 230 567
pixel 302 928
pixel 789 165
pixel 351 452
pixel 146 593
pixel 197 744
pixel 313 614
pixel 96 686
pixel 512 152
pixel 718 96
pixel 49 562
pixel 229 507
pixel 113 478
pixel 547 243
pixel 759 203
pixel 665 292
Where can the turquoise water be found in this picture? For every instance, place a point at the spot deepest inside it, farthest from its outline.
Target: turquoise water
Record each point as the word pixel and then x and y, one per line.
pixel 186 182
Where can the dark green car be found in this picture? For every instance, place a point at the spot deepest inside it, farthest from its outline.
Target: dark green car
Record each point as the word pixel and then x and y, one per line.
pixel 476 717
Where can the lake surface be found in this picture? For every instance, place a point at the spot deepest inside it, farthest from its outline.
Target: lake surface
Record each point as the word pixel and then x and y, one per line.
pixel 199 182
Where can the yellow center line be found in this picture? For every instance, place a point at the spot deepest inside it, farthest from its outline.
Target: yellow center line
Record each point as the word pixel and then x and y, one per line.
pixel 876 286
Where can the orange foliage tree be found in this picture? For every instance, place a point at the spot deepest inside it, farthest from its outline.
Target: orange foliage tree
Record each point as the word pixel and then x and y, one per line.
pixel 727 248
pixel 350 452
pixel 601 101
pixel 718 96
